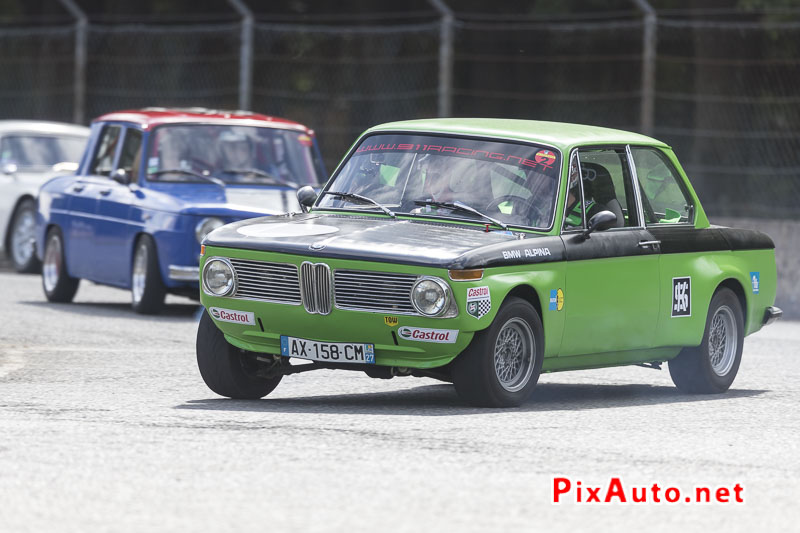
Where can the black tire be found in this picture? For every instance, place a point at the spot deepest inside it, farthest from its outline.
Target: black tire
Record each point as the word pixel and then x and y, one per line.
pixel 24 219
pixel 474 372
pixel 58 285
pixel 227 370
pixel 147 288
pixel 702 369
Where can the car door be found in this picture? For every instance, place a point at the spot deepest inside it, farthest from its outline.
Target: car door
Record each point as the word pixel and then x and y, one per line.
pixel 669 214
pixel 83 255
pixel 115 229
pixel 612 294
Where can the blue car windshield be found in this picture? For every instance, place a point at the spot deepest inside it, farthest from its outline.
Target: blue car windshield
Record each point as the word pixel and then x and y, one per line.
pixel 513 183
pixel 234 154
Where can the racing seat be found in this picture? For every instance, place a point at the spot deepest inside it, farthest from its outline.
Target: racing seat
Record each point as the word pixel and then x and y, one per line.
pixel 597 184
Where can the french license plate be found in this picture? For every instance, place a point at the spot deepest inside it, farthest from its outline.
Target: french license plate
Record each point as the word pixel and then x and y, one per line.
pixel 329 352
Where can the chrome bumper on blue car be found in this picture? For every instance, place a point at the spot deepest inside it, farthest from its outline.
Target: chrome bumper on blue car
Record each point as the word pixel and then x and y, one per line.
pixel 184 273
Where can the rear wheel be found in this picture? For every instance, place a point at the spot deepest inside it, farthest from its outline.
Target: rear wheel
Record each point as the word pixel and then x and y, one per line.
pixel 501 365
pixel 226 369
pixel 712 366
pixel 21 238
pixel 147 289
pixel 58 285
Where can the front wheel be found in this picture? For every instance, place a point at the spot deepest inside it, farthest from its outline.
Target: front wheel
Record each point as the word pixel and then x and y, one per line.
pixel 226 369
pixel 711 367
pixel 21 238
pixel 147 289
pixel 502 364
pixel 58 285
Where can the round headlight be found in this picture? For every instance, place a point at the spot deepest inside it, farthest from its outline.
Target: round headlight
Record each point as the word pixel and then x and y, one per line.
pixel 206 226
pixel 218 277
pixel 430 296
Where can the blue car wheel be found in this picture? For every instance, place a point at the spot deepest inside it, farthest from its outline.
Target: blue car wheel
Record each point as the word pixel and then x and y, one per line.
pixel 147 288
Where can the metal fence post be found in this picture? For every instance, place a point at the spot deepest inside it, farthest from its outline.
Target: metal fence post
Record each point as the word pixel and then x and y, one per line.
pixel 245 54
pixel 445 104
pixel 79 83
pixel 648 66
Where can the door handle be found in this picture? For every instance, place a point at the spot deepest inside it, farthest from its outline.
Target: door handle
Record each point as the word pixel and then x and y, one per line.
pixel 78 188
pixel 105 192
pixel 645 244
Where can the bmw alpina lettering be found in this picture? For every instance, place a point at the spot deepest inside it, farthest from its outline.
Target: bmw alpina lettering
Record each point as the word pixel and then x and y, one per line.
pixel 450 246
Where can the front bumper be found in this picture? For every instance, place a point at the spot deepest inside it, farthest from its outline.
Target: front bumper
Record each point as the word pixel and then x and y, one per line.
pixel 184 273
pixel 772 314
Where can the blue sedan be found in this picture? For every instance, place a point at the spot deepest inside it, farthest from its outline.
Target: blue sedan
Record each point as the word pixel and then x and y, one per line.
pixel 152 184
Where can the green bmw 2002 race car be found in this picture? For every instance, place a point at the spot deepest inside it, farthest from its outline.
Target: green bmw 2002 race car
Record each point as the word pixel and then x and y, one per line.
pixel 485 252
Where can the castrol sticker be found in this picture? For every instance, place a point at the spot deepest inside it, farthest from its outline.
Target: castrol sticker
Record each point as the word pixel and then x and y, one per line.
pixel 442 336
pixel 232 316
pixel 479 301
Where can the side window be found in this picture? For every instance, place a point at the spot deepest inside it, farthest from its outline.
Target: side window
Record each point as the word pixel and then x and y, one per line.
pixel 607 186
pixel 664 200
pixel 131 152
pixel 103 161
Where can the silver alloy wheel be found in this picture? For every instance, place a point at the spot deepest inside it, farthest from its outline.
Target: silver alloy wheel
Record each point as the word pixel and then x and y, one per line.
pixel 139 276
pixel 514 353
pixel 51 269
pixel 722 341
pixel 22 237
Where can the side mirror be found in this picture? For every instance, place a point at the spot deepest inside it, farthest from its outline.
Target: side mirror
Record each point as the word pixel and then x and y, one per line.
pixel 121 176
pixel 306 196
pixel 601 221
pixel 10 168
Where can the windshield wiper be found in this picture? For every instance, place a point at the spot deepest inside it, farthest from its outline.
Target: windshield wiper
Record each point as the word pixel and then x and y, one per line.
pixel 270 178
pixel 212 179
pixel 363 199
pixel 459 206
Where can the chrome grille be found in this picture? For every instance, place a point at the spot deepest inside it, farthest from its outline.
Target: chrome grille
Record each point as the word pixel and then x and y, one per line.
pixel 315 287
pixel 374 291
pixel 271 282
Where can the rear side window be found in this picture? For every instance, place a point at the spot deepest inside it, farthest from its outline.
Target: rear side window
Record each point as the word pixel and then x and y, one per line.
pixel 664 199
pixel 103 161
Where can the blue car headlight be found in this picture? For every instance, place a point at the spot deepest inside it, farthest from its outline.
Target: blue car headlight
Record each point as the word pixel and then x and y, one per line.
pixel 206 226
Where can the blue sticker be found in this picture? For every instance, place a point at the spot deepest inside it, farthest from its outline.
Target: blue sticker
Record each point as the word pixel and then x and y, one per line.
pixel 755 281
pixel 369 354
pixel 284 346
pixel 553 300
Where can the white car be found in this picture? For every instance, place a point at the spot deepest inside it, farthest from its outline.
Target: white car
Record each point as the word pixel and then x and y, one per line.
pixel 31 152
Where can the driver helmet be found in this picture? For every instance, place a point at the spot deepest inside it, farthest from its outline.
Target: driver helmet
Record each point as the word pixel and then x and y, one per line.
pixel 236 149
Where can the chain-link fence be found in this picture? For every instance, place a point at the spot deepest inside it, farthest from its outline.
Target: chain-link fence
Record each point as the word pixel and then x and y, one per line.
pixel 724 94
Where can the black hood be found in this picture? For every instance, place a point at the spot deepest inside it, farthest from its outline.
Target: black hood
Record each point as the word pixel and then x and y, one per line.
pixel 410 242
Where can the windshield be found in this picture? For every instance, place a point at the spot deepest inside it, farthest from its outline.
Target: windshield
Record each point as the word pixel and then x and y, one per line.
pixel 41 150
pixel 419 174
pixel 233 154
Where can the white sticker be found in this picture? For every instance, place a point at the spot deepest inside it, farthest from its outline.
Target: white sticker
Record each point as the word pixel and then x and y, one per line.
pixel 286 229
pixel 479 301
pixel 152 162
pixel 682 296
pixel 443 336
pixel 231 315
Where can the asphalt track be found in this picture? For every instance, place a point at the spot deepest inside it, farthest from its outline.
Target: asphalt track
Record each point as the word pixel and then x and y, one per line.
pixel 105 425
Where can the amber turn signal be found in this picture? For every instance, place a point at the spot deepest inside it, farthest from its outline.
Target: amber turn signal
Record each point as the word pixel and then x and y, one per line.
pixel 202 250
pixel 466 275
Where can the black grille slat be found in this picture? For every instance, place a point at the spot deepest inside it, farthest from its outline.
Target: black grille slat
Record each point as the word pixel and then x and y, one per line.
pixel 374 291
pixel 271 282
